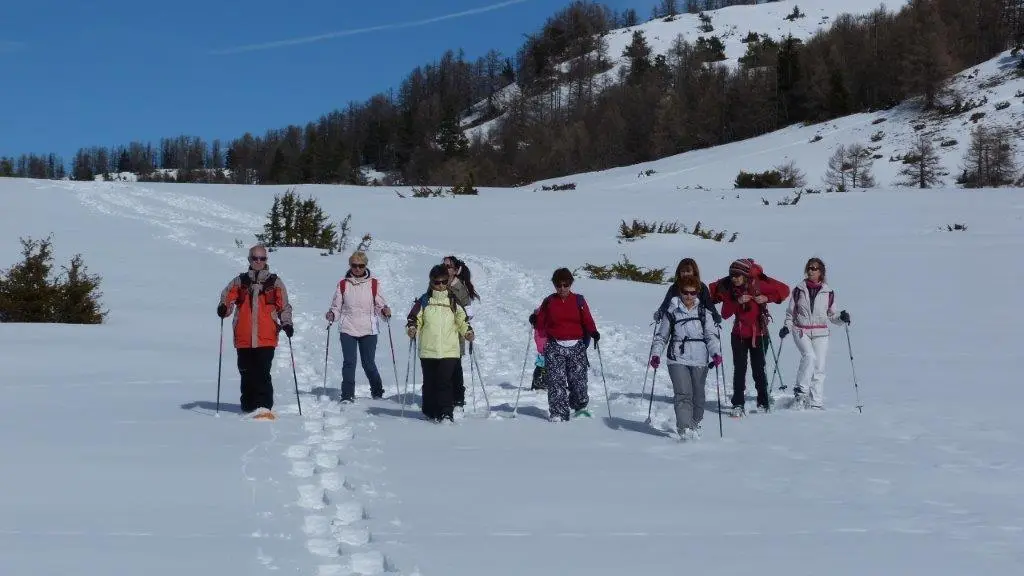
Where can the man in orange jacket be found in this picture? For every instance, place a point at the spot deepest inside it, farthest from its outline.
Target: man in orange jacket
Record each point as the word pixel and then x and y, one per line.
pixel 259 301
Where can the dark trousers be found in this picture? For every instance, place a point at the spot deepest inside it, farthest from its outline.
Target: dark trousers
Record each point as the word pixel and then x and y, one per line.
pixel 741 349
pixel 257 388
pixel 438 376
pixel 367 349
pixel 458 384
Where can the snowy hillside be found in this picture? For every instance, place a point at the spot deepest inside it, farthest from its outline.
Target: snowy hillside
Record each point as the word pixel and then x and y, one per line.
pixel 993 94
pixel 115 464
pixel 730 24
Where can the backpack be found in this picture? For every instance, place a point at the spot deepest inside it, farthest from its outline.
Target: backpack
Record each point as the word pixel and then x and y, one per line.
pixel 702 316
pixel 373 287
pixel 421 303
pixel 268 288
pixel 796 296
pixel 579 304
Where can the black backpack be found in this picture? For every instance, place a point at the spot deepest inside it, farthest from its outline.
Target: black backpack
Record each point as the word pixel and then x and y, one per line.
pixel 268 288
pixel 702 316
pixel 579 304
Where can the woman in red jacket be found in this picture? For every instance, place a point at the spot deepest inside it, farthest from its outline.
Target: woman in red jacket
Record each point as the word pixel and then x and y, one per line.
pixel 745 293
pixel 564 318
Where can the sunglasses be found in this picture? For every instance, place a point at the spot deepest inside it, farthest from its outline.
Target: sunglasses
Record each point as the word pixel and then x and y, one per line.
pixel 440 282
pixel 562 285
pixel 357 265
pixel 690 292
pixel 257 258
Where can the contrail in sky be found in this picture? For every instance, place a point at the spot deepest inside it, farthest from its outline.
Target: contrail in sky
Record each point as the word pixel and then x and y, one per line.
pixel 355 31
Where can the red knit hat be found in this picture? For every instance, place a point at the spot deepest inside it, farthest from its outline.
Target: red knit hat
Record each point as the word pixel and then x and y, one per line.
pixel 742 266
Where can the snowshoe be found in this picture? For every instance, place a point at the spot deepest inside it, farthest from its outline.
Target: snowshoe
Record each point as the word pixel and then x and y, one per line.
pixel 263 414
pixel 737 412
pixel 582 412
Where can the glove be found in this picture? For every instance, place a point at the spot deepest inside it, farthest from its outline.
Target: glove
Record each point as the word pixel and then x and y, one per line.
pixel 540 361
pixel 330 316
pixel 470 336
pixel 595 336
pixel 784 332
pixel 386 312
pixel 289 330
pixel 657 315
pixel 655 362
pixel 411 331
pixel 844 316
pixel 716 360
pixel 222 310
pixel 533 319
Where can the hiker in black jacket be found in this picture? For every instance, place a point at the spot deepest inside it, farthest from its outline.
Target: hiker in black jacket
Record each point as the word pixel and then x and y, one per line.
pixel 688 267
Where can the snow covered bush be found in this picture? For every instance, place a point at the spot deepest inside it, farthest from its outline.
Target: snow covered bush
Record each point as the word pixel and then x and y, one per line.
pixel 30 293
pixel 626 270
pixel 640 228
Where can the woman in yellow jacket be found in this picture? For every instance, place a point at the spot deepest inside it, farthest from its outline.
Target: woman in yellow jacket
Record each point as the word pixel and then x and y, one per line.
pixel 440 321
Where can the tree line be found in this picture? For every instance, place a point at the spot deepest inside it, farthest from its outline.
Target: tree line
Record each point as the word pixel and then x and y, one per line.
pixel 564 114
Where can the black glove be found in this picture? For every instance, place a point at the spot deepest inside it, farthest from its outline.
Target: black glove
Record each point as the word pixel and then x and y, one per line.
pixel 288 330
pixel 533 319
pixel 222 310
pixel 784 332
pixel 844 316
pixel 595 336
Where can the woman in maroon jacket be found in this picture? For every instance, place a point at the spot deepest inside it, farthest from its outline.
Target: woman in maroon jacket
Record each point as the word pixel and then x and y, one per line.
pixel 745 293
pixel 565 319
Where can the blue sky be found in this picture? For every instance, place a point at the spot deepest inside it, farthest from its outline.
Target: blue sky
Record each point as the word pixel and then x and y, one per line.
pixel 107 72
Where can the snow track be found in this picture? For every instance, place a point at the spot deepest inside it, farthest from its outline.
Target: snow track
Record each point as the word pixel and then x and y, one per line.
pixel 329 493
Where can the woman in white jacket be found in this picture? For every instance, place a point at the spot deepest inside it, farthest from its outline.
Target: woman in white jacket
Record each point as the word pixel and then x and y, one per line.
pixel 356 305
pixel 687 329
pixel 811 308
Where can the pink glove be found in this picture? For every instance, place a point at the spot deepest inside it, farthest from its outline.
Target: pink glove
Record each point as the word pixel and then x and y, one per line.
pixel 716 360
pixel 655 362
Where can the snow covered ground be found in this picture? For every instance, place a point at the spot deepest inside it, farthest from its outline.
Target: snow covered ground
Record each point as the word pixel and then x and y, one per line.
pixel 115 464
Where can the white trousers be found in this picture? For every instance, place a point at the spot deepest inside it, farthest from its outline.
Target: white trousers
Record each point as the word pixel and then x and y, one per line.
pixel 811 375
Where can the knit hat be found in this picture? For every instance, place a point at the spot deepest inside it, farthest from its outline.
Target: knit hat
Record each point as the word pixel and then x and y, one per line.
pixel 741 266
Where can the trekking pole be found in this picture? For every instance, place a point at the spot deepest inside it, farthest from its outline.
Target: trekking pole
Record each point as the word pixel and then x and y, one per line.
pixel 646 372
pixel 394 363
pixel 856 388
pixel 220 363
pixel 718 392
pixel 607 401
pixel 782 383
pixel 408 366
pixel 294 375
pixel 327 351
pixel 526 356
pixel 650 405
pixel 480 376
pixel 776 358
pixel 472 382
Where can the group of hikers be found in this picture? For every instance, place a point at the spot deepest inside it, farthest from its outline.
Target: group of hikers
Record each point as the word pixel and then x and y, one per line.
pixel 687 332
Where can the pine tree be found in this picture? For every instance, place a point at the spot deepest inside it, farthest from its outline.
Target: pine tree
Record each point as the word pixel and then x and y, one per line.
pixel 921 165
pixel 639 54
pixel 990 159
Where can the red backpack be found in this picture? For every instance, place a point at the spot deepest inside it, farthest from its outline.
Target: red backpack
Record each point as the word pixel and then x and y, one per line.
pixel 373 288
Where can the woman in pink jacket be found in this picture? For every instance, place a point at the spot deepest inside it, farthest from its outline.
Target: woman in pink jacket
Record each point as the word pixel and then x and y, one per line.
pixel 812 307
pixel 357 305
